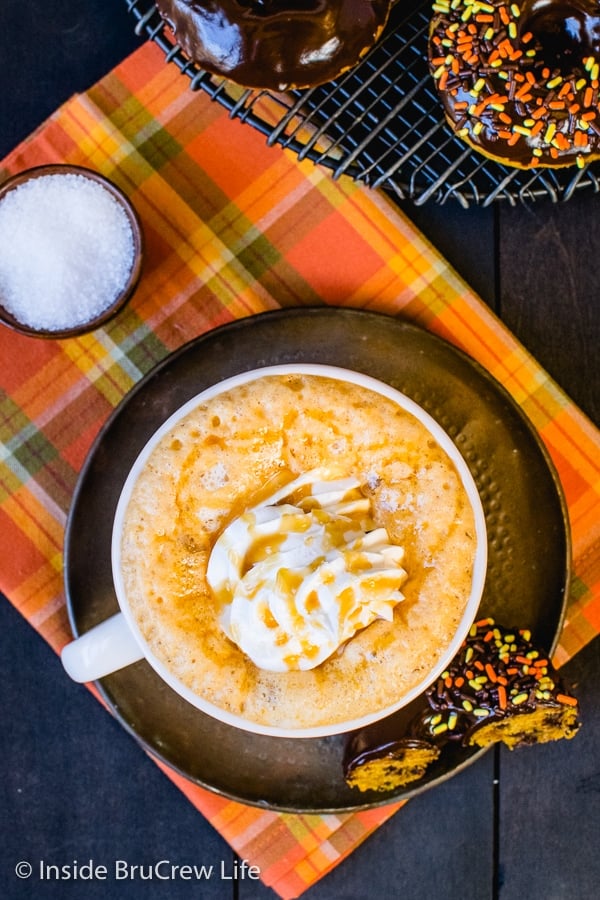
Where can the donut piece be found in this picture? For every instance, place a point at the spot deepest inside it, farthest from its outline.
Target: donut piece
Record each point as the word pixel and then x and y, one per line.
pixel 276 44
pixel 518 81
pixel 499 687
pixel 387 766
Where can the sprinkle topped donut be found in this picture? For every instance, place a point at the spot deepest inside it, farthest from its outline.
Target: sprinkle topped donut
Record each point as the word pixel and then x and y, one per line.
pixel 500 687
pixel 519 81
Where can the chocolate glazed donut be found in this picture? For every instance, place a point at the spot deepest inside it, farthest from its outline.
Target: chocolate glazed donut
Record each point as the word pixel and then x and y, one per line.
pixel 519 80
pixel 276 44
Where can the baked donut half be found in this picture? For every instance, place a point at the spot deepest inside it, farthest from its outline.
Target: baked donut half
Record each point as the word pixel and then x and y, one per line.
pixel 518 81
pixel 276 44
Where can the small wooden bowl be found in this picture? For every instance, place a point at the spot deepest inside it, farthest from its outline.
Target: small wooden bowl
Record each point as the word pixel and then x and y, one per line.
pixel 128 289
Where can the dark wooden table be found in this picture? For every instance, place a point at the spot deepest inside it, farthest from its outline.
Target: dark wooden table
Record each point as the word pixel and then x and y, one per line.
pixel 75 786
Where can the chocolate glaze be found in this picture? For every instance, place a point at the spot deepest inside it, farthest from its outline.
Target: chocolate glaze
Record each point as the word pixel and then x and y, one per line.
pixel 507 97
pixel 276 44
pixel 359 751
pixel 567 30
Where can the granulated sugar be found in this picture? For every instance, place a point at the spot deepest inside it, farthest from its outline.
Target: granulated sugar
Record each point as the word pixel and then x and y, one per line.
pixel 66 251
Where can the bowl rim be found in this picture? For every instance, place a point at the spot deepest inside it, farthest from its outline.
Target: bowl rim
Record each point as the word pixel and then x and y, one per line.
pixel 479 562
pixel 48 169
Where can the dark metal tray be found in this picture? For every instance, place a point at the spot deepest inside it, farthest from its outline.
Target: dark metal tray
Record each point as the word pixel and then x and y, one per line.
pixel 381 123
pixel 528 535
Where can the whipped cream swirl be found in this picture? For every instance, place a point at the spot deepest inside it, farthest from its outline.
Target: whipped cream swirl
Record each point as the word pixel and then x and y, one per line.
pixel 297 575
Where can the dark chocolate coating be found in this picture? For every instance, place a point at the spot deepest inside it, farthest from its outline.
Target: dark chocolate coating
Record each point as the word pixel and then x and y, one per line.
pixel 567 30
pixel 359 751
pixel 276 44
pixel 506 96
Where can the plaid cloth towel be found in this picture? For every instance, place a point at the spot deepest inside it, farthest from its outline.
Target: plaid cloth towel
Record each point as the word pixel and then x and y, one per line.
pixel 233 228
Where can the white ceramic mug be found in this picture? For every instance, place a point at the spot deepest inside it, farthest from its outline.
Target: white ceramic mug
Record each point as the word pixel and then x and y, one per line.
pixel 118 642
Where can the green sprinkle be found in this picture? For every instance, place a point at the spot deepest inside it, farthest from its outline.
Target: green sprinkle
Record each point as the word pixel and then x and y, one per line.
pixel 481 713
pixel 452 719
pixel 520 698
pixel 439 729
pixel 467 706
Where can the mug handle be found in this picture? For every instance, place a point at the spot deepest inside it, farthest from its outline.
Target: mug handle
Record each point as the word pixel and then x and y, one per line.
pixel 104 649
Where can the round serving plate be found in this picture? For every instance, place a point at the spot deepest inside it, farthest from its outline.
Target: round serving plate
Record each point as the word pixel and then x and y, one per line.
pixel 381 123
pixel 528 536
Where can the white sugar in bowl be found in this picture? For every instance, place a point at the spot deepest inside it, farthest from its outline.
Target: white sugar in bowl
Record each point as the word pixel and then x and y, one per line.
pixel 70 251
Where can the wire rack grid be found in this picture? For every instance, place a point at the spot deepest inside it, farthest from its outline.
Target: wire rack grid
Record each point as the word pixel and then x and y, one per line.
pixel 381 123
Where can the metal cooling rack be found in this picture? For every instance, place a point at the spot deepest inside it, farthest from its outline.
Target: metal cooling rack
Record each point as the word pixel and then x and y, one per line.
pixel 381 123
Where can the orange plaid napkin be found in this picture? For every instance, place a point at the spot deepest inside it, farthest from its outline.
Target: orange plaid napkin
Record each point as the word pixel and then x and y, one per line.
pixel 234 228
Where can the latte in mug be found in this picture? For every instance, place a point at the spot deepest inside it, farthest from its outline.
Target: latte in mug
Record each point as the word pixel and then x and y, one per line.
pixel 300 551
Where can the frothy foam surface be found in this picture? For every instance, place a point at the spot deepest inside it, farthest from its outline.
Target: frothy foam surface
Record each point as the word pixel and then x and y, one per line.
pixel 236 452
